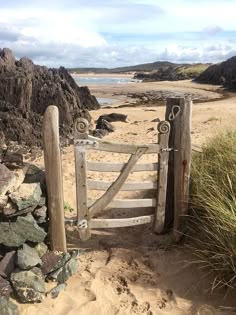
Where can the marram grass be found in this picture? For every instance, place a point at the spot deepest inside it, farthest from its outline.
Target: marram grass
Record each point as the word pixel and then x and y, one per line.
pixel 212 224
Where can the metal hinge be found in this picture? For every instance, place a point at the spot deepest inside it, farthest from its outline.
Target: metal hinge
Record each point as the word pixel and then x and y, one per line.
pixel 169 150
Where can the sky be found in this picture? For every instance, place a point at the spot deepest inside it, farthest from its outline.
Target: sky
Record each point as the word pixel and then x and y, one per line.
pixel 113 33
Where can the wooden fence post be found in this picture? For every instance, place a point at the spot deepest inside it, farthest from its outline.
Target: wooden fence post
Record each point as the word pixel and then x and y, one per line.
pixel 81 133
pixel 163 138
pixel 53 172
pixel 179 114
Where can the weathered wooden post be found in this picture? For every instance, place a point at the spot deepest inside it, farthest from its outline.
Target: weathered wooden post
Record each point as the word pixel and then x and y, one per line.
pixel 163 138
pixel 53 172
pixel 81 134
pixel 179 115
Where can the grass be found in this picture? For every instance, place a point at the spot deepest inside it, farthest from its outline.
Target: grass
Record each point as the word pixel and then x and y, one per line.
pixel 211 119
pixel 67 207
pixel 193 70
pixel 212 228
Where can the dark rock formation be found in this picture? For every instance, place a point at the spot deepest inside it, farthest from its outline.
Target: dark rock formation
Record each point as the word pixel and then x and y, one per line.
pixel 25 92
pixel 7 264
pixel 113 117
pixel 223 73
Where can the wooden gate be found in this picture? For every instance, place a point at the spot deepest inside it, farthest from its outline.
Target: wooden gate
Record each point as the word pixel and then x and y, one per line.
pixel 87 211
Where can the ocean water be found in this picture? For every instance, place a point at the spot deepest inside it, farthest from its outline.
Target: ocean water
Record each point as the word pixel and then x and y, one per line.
pixel 102 80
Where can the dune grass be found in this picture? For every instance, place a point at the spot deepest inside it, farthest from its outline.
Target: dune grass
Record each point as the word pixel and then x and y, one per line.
pixel 194 69
pixel 212 228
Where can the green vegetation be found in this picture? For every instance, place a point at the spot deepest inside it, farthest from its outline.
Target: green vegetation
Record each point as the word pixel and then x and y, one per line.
pixel 212 231
pixel 67 207
pixel 211 119
pixel 193 70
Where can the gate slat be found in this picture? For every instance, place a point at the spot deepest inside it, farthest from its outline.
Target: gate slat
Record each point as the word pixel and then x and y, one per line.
pixel 129 203
pixel 117 167
pixel 129 186
pixel 102 145
pixel 114 223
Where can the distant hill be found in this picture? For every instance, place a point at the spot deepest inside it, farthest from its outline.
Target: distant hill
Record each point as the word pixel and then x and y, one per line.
pixel 173 72
pixel 223 73
pixel 142 67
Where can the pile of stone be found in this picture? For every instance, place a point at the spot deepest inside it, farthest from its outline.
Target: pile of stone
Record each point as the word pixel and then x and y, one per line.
pixel 25 260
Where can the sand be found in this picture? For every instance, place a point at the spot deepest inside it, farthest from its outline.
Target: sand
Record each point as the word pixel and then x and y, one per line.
pixel 131 270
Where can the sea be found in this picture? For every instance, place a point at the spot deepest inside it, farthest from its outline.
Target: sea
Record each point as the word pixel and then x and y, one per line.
pixel 90 80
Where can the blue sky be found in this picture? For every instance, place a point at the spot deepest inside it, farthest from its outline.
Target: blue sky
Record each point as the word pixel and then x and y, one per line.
pixel 111 33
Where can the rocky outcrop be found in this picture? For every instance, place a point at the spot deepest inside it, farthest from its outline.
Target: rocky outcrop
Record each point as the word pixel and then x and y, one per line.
pixel 27 89
pixel 223 74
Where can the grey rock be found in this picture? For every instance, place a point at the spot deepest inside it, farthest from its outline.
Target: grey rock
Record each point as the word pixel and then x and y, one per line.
pixel 64 273
pixel 27 195
pixel 9 209
pixel 3 201
pixel 35 175
pixel 100 133
pixel 53 293
pixel 27 257
pixel 40 214
pixel 5 288
pixel 41 249
pixel 8 308
pixel 29 285
pixel 52 261
pixel 14 234
pixel 104 124
pixel 7 179
pixel 7 264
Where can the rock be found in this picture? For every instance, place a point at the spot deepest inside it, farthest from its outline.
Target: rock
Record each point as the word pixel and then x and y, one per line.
pixel 7 179
pixel 7 264
pixel 41 249
pixel 40 214
pixel 29 285
pixel 223 73
pixel 9 209
pixel 27 195
pixel 8 308
pixel 55 291
pixel 52 261
pixel 3 201
pixel 14 234
pixel 100 133
pixel 103 124
pixel 156 120
pixel 28 89
pixel 113 117
pixel 5 289
pixel 27 257
pixel 35 174
pixel 64 273
pixel 20 176
pixel 10 158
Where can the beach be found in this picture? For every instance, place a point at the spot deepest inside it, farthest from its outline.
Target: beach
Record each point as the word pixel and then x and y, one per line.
pixel 131 270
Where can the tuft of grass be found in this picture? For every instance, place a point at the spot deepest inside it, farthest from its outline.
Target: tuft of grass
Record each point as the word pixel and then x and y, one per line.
pixel 193 69
pixel 211 119
pixel 67 207
pixel 212 228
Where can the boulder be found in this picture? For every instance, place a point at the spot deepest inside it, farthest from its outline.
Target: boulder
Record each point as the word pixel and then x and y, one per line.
pixel 8 308
pixel 103 124
pixel 113 117
pixel 100 133
pixel 52 261
pixel 29 285
pixel 40 214
pixel 5 289
pixel 41 249
pixel 27 195
pixel 14 234
pixel 7 179
pixel 54 292
pixel 65 272
pixel 27 257
pixel 7 264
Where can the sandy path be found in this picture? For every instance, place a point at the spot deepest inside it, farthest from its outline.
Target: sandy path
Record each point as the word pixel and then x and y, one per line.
pixel 130 270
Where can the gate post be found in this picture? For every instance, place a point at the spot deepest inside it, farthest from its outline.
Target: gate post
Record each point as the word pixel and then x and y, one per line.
pixel 53 173
pixel 179 114
pixel 81 133
pixel 163 138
